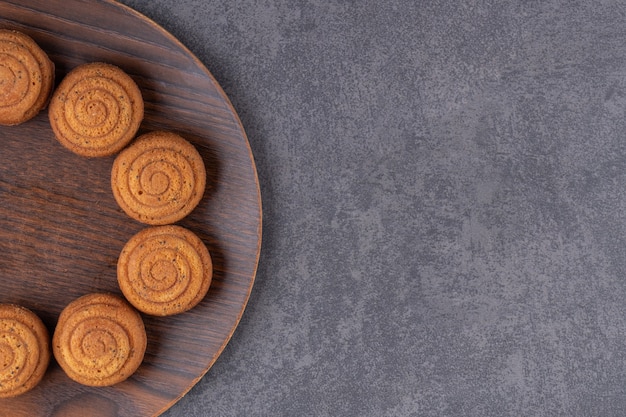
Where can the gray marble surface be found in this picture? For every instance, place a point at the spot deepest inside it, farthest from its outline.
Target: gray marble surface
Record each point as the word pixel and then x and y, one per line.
pixel 444 205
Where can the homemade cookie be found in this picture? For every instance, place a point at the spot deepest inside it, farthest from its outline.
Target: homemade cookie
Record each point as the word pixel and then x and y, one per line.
pixel 159 179
pixel 99 340
pixel 164 270
pixel 24 350
pixel 96 110
pixel 26 77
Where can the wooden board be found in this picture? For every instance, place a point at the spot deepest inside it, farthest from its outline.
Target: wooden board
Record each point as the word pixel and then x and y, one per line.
pixel 61 231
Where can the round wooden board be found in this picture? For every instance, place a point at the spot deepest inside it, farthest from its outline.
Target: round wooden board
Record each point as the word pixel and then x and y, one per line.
pixel 61 231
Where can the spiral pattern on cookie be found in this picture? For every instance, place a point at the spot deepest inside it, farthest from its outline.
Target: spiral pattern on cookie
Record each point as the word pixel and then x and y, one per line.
pixel 100 340
pixel 164 270
pixel 26 75
pixel 24 350
pixel 159 179
pixel 96 110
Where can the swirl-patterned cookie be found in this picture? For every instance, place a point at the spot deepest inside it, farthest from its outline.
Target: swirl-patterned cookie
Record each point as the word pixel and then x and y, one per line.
pixel 26 77
pixel 96 110
pixel 24 350
pixel 159 179
pixel 164 270
pixel 99 340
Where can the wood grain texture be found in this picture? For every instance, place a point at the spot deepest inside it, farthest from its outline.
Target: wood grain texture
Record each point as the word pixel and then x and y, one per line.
pixel 61 231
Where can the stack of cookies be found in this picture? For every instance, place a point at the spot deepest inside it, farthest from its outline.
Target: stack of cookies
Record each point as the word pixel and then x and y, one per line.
pixel 157 179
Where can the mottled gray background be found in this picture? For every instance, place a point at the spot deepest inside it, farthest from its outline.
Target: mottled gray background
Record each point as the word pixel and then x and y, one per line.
pixel 444 205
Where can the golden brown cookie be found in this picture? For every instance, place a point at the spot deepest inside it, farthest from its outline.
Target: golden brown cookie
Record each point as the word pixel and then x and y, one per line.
pixel 164 270
pixel 26 77
pixel 96 110
pixel 159 179
pixel 99 340
pixel 24 350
